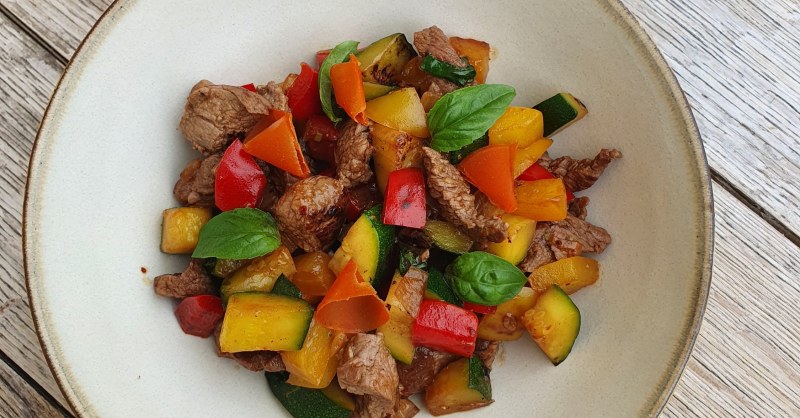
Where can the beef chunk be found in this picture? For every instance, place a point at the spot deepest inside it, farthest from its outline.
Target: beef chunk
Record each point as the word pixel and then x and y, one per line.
pixel 427 363
pixel 413 76
pixel 311 212
pixel 353 152
pixel 487 352
pixel 577 207
pixel 366 368
pixel 456 203
pixel 405 409
pixel 215 113
pixel 539 252
pixel 568 238
pixel 192 282
pixel 580 174
pixel 432 41
pixel 195 187
pixel 411 290
pixel 274 93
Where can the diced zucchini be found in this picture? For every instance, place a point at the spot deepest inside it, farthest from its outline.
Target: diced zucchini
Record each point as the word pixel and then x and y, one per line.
pixel 560 111
pixel 553 323
pixel 437 288
pixel 570 274
pixel 459 154
pixel 314 365
pixel 340 396
pixel 264 321
pixel 222 267
pixel 180 229
pixel 373 90
pixel 461 386
pixel 260 275
pixel 369 243
pixel 286 288
pixel 393 150
pixel 405 290
pixel 384 59
pixel 505 324
pixel 447 237
pixel 303 402
pixel 520 236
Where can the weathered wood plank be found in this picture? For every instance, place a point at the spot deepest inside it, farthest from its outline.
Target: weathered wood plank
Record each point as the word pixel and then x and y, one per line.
pixel 737 61
pixel 18 399
pixel 29 74
pixel 747 358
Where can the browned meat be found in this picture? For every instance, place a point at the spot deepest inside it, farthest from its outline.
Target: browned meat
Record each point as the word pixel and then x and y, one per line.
pixel 192 282
pixel 214 113
pixel 195 187
pixel 487 351
pixel 568 238
pixel 366 368
pixel 494 229
pixel 353 152
pixel 411 291
pixel 274 93
pixel 257 361
pixel 580 174
pixel 457 204
pixel 414 378
pixel 405 409
pixel 311 212
pixel 414 238
pixel 413 76
pixel 577 207
pixel 432 41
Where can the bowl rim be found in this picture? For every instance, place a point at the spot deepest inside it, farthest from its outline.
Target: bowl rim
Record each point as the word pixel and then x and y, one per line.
pixel 692 323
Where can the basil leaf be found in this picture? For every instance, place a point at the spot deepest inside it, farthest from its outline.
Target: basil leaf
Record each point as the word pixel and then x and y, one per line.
pixel 484 278
pixel 338 55
pixel 461 117
pixel 238 234
pixel 459 75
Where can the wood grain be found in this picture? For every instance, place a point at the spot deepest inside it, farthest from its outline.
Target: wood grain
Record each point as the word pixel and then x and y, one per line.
pixel 738 62
pixel 18 399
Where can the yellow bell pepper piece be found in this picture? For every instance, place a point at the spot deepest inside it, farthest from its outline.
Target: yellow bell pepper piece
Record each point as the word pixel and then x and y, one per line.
pixel 505 324
pixel 570 274
pixel 180 229
pixel 401 110
pixel 520 236
pixel 542 200
pixel 526 157
pixel 518 125
pixel 314 365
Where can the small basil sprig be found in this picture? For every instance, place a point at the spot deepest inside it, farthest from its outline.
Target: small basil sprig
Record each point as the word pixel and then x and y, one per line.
pixel 484 278
pixel 461 117
pixel 338 55
pixel 238 234
pixel 458 75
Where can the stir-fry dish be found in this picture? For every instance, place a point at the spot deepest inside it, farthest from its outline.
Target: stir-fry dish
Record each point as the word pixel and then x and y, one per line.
pixel 377 225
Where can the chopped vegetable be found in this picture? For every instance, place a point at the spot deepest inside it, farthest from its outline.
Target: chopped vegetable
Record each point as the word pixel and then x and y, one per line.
pixel 199 315
pixel 542 200
pixel 401 110
pixel 437 288
pixel 518 125
pixel 394 150
pixel 521 231
pixel 553 323
pixel 461 117
pixel 537 172
pixel 338 395
pixel 250 86
pixel 349 89
pixel 304 402
pixel 463 385
pixel 560 111
pixel 180 229
pixel 314 365
pixel 260 275
pixel 239 180
pixel 478 55
pixel 505 324
pixel 264 321
pixel 223 267
pixel 285 287
pixel 461 153
pixel 320 137
pixel 382 60
pixel 461 76
pixel 303 95
pixel 484 278
pixel 408 259
pixel 528 156
pixel 481 309
pixel 337 55
pixel 397 331
pixel 570 274
pixel 238 234
pixel 351 305
pixel 276 143
pixel 405 199
pixel 447 237
pixel 373 91
pixel 313 276
pixel 442 326
pixel 490 169
pixel 369 243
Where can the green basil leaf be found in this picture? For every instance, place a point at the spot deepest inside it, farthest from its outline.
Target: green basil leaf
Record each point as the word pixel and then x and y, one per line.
pixel 238 234
pixel 484 278
pixel 461 117
pixel 458 75
pixel 338 55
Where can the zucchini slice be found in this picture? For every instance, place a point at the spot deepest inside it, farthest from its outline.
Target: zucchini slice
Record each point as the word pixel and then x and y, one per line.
pixel 264 321
pixel 437 288
pixel 461 386
pixel 383 60
pixel 369 243
pixel 560 111
pixel 373 90
pixel 447 237
pixel 404 291
pixel 286 288
pixel 553 323
pixel 304 402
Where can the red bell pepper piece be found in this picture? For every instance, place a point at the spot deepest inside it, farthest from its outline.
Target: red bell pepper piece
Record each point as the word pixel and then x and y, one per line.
pixel 537 172
pixel 321 55
pixel 442 326
pixel 481 309
pixel 320 137
pixel 251 87
pixel 303 95
pixel 239 181
pixel 405 198
pixel 490 169
pixel 199 315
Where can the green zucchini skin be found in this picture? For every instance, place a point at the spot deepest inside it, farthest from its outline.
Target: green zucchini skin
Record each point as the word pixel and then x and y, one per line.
pixel 303 402
pixel 559 112
pixel 437 288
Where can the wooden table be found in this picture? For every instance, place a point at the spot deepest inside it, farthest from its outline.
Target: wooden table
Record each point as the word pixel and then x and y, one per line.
pixel 739 62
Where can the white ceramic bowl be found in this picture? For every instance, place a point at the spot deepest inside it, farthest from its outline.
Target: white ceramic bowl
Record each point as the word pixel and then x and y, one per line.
pixel 109 152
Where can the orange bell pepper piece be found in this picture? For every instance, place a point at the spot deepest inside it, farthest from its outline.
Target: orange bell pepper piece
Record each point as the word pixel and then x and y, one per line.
pixel 542 200
pixel 274 140
pixel 348 88
pixel 351 304
pixel 478 54
pixel 490 169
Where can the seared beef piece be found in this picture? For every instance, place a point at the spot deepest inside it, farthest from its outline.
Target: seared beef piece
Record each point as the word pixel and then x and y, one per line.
pixel 192 282
pixel 215 113
pixel 577 207
pixel 274 93
pixel 456 203
pixel 311 212
pixel 416 377
pixel 568 238
pixel 404 409
pixel 494 228
pixel 487 351
pixel 257 361
pixel 366 368
pixel 580 174
pixel 432 41
pixel 413 76
pixel 411 291
pixel 195 187
pixel 353 152
pixel 360 198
